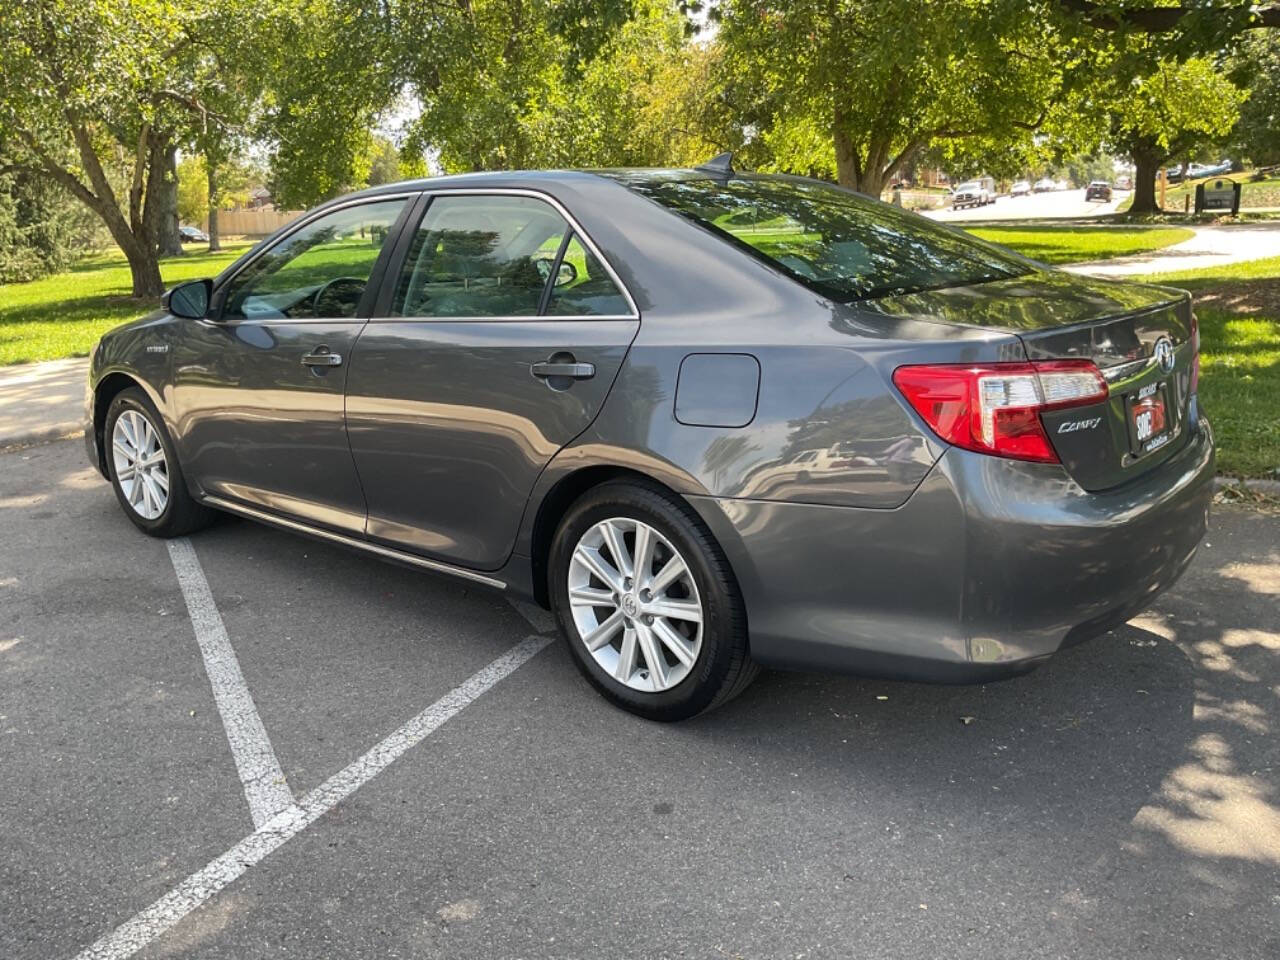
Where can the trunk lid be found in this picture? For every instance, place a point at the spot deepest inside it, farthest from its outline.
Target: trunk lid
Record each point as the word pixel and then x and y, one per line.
pixel 1138 335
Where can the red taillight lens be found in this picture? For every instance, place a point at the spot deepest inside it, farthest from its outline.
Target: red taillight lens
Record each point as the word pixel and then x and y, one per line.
pixel 1195 354
pixel 995 408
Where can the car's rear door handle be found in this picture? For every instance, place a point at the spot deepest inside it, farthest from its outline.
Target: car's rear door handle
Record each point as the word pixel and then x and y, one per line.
pixel 322 358
pixel 574 371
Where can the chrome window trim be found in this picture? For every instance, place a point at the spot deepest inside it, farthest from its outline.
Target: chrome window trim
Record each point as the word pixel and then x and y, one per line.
pixel 574 226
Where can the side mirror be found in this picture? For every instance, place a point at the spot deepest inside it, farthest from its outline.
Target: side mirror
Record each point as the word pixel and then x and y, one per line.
pixel 568 273
pixel 189 300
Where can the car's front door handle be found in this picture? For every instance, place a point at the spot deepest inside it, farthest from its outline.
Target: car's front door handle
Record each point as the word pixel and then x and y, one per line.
pixel 574 371
pixel 322 358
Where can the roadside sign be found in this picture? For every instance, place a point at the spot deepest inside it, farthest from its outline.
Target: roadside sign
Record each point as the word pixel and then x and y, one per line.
pixel 1219 194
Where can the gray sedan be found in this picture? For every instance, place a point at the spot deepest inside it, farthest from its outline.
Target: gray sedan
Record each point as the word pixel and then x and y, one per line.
pixel 711 420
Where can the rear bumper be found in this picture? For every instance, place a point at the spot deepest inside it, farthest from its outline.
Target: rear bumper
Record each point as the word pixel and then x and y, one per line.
pixel 990 567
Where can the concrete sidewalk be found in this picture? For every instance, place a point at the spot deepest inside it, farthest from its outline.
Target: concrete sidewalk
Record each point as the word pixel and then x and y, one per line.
pixel 1212 246
pixel 41 401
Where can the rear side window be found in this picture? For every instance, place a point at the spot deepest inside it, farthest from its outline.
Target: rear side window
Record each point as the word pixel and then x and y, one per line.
pixel 583 288
pixel 840 244
pixel 501 256
pixel 480 256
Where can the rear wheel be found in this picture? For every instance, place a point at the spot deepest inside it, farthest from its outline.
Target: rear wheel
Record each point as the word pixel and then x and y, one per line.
pixel 647 603
pixel 144 469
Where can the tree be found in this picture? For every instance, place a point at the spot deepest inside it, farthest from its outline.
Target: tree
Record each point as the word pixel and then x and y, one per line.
pixel 201 194
pixel 884 80
pixel 1256 67
pixel 108 92
pixel 384 162
pixel 193 189
pixel 648 97
pixel 42 228
pixel 499 81
pixel 1168 113
pixel 330 69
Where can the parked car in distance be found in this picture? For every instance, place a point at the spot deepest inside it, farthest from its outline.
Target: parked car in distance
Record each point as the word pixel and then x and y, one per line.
pixel 1197 171
pixel 709 419
pixel 1098 190
pixel 974 193
pixel 1044 185
pixel 193 235
pixel 1020 188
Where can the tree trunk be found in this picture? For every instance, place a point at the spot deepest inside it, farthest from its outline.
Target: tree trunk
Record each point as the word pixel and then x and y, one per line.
pixel 215 242
pixel 856 171
pixel 848 162
pixel 1146 163
pixel 165 222
pixel 144 265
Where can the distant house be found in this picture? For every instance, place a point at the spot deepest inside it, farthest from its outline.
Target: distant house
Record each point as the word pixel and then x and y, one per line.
pixel 259 197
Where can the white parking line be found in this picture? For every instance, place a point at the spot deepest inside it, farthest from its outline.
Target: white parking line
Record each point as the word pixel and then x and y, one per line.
pixel 264 783
pixel 134 934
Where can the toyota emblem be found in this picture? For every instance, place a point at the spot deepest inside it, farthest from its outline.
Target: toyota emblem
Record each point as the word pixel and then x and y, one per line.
pixel 1163 354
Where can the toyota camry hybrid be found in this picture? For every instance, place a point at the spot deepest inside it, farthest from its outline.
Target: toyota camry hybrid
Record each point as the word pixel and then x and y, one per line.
pixel 712 420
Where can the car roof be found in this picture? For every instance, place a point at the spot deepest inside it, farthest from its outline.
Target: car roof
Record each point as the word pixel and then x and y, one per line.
pixel 625 176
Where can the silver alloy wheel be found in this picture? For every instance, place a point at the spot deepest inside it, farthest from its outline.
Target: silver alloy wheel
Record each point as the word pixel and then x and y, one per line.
pixel 141 470
pixel 635 604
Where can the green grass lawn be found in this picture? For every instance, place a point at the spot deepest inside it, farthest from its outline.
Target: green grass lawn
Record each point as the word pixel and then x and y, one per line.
pixel 63 315
pixel 1239 311
pixel 1077 244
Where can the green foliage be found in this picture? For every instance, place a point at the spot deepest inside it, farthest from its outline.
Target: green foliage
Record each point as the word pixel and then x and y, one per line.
pixel 1257 69
pixel 884 80
pixel 42 230
pixel 1177 106
pixel 384 162
pixel 330 69
pixel 193 189
pixel 234 179
pixel 502 86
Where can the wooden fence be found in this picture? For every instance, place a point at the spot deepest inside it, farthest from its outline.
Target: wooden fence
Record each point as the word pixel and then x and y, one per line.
pixel 252 223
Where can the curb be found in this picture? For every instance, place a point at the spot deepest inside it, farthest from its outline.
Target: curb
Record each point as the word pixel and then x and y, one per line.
pixel 59 431
pixel 1269 487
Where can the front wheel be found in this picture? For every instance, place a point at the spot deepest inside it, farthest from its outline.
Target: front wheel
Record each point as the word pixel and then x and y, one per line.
pixel 647 603
pixel 144 469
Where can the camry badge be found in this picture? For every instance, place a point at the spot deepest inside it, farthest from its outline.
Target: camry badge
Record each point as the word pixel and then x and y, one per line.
pixel 1163 354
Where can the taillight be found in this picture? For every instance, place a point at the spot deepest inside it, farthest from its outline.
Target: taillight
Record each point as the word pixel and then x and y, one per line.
pixel 1195 354
pixel 995 408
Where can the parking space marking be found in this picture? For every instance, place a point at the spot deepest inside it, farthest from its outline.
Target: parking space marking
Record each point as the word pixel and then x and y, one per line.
pixel 541 620
pixel 264 783
pixel 137 932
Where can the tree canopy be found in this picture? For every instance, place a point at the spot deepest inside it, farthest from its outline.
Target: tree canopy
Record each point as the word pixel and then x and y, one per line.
pixel 333 94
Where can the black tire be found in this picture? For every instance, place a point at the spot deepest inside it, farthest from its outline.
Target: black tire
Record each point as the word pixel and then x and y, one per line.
pixel 723 667
pixel 181 514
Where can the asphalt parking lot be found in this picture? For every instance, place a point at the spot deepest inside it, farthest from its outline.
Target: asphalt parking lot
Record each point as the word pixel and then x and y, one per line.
pixel 1120 802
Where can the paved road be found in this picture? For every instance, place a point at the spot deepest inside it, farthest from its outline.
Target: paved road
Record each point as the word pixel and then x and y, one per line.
pixel 1120 802
pixel 1050 205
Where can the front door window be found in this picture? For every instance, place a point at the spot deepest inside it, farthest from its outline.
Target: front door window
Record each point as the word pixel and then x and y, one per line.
pixel 317 272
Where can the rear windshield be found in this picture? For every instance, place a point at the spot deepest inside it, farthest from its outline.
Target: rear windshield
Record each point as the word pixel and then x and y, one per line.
pixel 841 244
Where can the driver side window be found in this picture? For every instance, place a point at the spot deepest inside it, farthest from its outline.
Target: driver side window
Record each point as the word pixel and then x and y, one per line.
pixel 316 273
